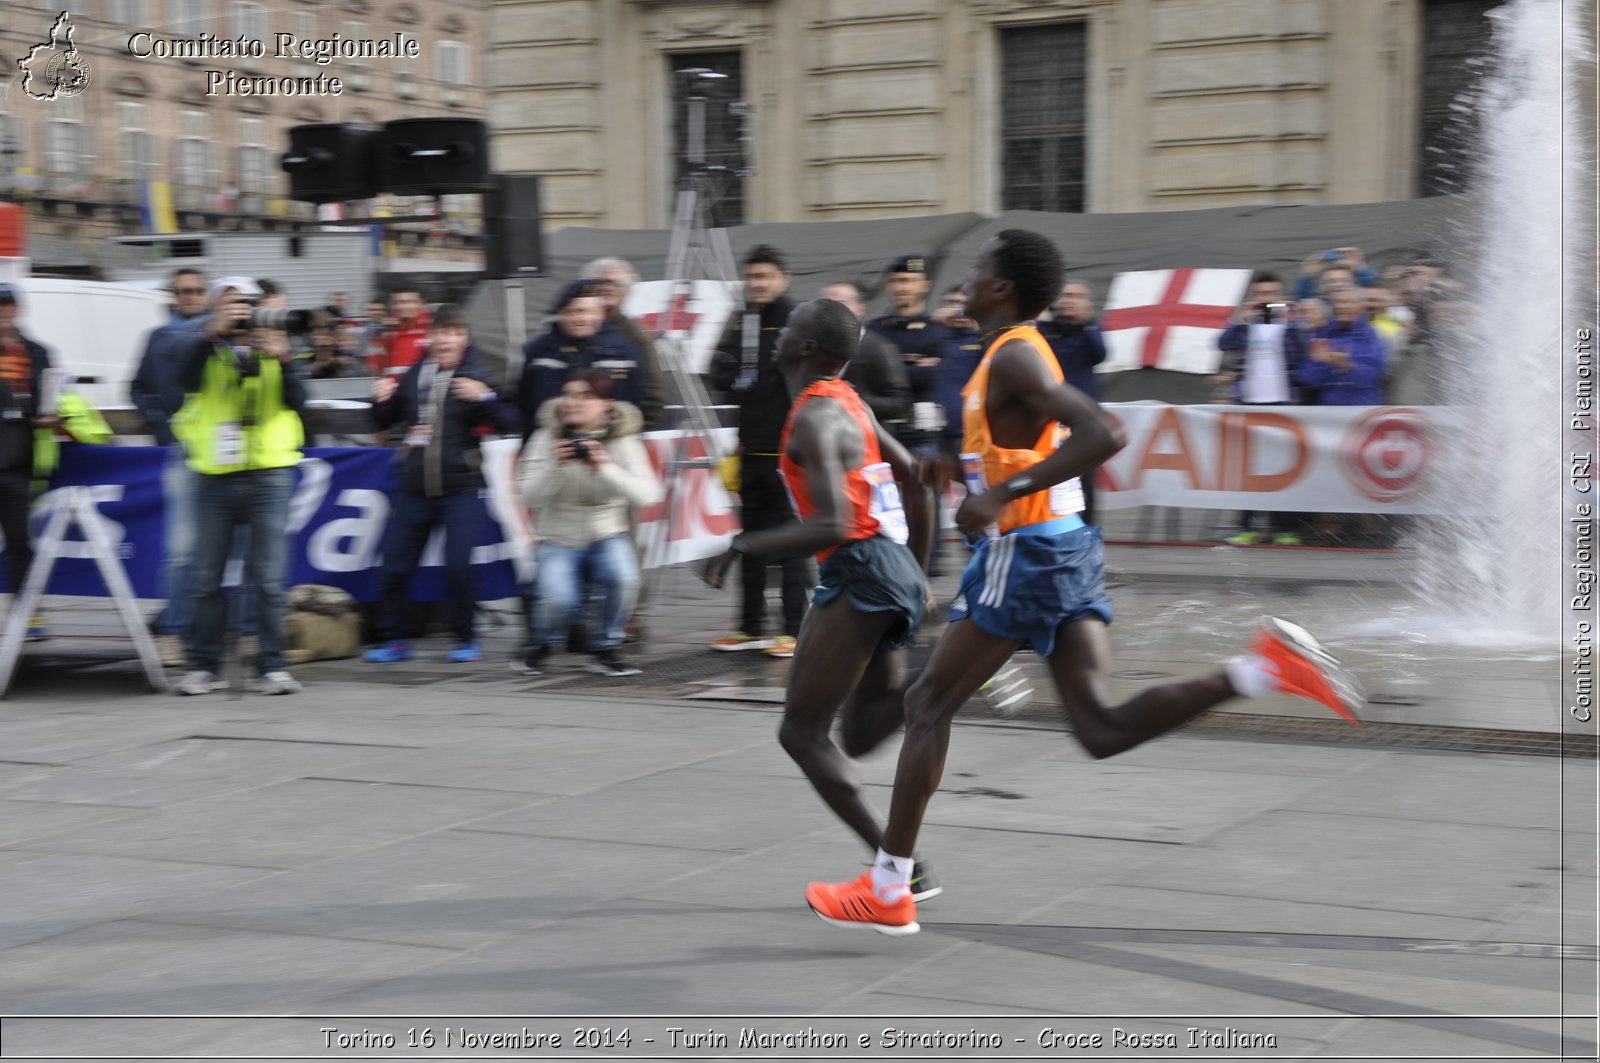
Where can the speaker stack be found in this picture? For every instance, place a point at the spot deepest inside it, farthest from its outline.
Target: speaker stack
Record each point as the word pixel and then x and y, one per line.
pixel 514 240
pixel 341 162
pixel 332 162
pixel 434 157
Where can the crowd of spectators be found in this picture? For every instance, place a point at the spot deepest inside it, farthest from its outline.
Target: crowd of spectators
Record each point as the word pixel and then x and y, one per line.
pixel 225 400
pixel 1340 335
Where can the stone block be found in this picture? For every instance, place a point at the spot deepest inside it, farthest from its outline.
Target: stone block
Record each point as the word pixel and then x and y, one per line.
pixel 888 182
pixel 561 20
pixel 848 10
pixel 1206 166
pixel 865 137
pixel 1262 114
pixel 869 90
pixel 535 109
pixel 1264 63
pixel 1203 20
pixel 885 42
pixel 564 64
pixel 543 152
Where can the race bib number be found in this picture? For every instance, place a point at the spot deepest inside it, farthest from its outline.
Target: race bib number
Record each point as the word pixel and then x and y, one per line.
pixel 977 483
pixel 419 435
pixel 928 416
pixel 228 444
pixel 885 504
pixel 1066 498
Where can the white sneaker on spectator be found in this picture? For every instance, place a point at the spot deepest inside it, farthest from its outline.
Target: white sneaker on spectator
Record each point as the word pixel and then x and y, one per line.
pixel 277 683
pixel 200 683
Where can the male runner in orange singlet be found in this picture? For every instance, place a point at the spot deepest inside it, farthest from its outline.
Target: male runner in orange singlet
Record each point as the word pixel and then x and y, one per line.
pixel 1036 579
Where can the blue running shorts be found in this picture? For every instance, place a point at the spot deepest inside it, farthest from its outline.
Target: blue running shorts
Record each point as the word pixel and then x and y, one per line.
pixel 1027 583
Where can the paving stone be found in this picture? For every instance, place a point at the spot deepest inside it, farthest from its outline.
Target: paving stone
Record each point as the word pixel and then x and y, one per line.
pixel 452 889
pixel 287 825
pixel 1463 870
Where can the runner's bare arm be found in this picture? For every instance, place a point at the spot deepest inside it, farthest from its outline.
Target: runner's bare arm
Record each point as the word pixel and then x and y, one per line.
pixel 816 444
pixel 1019 377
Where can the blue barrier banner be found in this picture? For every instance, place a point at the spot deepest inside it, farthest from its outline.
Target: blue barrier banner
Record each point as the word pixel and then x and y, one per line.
pixel 337 518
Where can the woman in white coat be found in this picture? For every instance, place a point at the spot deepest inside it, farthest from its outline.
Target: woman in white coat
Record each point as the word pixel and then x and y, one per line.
pixel 582 472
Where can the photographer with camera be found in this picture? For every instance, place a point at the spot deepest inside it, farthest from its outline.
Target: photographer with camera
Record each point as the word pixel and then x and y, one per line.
pixel 582 472
pixel 241 430
pixel 445 400
pixel 1263 349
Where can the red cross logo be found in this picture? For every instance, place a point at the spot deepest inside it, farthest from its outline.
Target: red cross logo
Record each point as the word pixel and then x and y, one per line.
pixel 1161 316
pixel 676 318
pixel 1387 452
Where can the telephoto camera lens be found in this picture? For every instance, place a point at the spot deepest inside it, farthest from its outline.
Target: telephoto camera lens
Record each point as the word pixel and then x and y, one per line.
pixel 281 319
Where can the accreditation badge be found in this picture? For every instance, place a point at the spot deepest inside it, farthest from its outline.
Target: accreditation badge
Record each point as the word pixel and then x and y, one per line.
pixel 227 445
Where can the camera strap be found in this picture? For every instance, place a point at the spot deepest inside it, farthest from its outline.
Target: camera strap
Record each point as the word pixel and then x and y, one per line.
pixel 228 442
pixel 750 351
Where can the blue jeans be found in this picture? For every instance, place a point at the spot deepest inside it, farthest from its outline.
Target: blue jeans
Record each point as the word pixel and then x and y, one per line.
pixel 411 521
pixel 179 484
pixel 259 502
pixel 611 564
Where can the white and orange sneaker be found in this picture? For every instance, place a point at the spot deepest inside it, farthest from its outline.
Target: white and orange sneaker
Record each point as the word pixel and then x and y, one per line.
pixel 856 903
pixel 739 641
pixel 1301 667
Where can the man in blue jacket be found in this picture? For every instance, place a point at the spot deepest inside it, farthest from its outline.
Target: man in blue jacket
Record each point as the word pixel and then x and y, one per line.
pixel 1346 358
pixel 1075 339
pixel 578 339
pixel 1344 366
pixel 156 394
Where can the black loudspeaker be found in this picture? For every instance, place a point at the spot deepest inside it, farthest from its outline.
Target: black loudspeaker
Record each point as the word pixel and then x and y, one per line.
pixel 332 162
pixel 513 236
pixel 434 157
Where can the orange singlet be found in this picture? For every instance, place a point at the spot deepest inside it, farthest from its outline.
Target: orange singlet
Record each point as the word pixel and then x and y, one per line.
pixel 984 463
pixel 872 498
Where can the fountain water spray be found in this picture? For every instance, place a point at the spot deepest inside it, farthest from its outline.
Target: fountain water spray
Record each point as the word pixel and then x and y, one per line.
pixel 1490 569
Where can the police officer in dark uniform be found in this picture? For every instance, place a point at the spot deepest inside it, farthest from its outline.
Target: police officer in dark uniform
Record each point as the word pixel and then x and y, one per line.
pixel 954 372
pixel 579 339
pixel 924 344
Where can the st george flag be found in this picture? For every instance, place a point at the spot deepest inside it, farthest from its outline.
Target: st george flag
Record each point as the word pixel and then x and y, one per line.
pixel 1169 318
pixel 695 312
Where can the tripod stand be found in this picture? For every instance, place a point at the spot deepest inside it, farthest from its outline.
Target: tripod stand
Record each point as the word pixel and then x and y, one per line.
pixel 697 252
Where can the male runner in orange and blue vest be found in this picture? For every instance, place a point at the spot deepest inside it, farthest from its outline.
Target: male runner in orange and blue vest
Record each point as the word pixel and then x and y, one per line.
pixel 846 477
pixel 1037 579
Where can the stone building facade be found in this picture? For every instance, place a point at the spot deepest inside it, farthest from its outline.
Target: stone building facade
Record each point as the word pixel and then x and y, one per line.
pixel 80 165
pixel 900 107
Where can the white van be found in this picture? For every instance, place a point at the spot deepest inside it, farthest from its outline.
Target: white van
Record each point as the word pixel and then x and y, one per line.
pixel 95 331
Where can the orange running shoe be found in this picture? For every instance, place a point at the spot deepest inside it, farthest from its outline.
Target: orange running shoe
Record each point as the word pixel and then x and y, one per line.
pixel 856 903
pixel 1301 667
